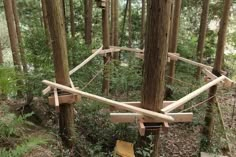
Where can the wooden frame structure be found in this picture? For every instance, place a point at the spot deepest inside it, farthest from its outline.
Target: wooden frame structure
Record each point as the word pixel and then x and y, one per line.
pixel 144 118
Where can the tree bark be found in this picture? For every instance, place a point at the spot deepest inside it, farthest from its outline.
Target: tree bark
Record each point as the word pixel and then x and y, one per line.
pixel 155 58
pixel 106 42
pixel 45 22
pixel 124 21
pixel 72 19
pixel 58 36
pixel 173 46
pixel 129 22
pixel 202 35
pixel 209 117
pixel 143 20
pixel 88 8
pixel 114 26
pixel 19 37
pixel 13 41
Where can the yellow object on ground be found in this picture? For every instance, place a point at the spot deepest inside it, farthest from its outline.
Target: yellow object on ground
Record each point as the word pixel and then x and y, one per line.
pixel 124 149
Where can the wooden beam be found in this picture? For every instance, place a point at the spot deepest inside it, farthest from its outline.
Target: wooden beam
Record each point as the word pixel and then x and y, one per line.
pixel 138 104
pixel 148 113
pixel 127 49
pixel 134 117
pixel 48 89
pixel 192 95
pixel 209 74
pixel 110 50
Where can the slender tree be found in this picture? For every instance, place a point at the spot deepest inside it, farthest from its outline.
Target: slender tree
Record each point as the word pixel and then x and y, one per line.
pixel 19 37
pixel 202 34
pixel 58 36
pixel 124 21
pixel 13 41
pixel 106 42
pixel 130 22
pixel 155 58
pixel 143 20
pixel 72 19
pixel 88 7
pixel 45 22
pixel 114 26
pixel 174 36
pixel 209 117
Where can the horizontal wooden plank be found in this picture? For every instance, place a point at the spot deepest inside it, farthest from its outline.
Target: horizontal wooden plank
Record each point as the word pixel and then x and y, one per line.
pixel 134 117
pixel 64 99
pixel 130 108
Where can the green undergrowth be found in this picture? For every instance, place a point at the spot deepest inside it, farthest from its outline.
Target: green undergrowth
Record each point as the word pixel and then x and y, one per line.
pixel 14 141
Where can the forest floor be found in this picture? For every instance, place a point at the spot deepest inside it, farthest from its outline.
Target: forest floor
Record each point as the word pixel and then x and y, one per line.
pixel 182 140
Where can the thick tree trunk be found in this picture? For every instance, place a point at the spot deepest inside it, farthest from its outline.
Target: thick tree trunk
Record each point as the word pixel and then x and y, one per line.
pixel 130 22
pixel 72 19
pixel 58 36
pixel 13 41
pixel 1 56
pixel 106 42
pixel 155 58
pixel 143 20
pixel 88 8
pixel 209 117
pixel 202 35
pixel 19 37
pixel 114 26
pixel 173 46
pixel 45 22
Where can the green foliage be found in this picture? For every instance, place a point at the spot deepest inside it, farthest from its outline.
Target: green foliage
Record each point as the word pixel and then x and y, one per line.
pixel 27 146
pixel 8 80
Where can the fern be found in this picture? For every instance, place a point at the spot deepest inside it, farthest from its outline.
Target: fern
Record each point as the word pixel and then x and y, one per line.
pixel 24 148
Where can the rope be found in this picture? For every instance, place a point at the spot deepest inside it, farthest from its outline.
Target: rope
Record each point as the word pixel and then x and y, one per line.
pixel 182 81
pixel 198 104
pixel 100 71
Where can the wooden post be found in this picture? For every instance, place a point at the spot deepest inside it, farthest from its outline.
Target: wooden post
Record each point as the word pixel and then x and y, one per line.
pixel 173 46
pixel 58 36
pixel 106 43
pixel 155 58
pixel 202 35
pixel 209 117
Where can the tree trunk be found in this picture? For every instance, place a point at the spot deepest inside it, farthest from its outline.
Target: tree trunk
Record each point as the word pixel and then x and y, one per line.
pixel 106 42
pixel 124 21
pixel 202 35
pixel 114 26
pixel 58 36
pixel 72 19
pixel 1 56
pixel 171 25
pixel 19 37
pixel 155 58
pixel 143 20
pixel 88 8
pixel 209 117
pixel 129 22
pixel 13 41
pixel 45 22
pixel 173 46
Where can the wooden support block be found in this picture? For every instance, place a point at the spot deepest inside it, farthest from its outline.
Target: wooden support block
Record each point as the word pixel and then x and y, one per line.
pixel 141 128
pixel 64 99
pixel 56 100
pixel 165 127
pixel 133 117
